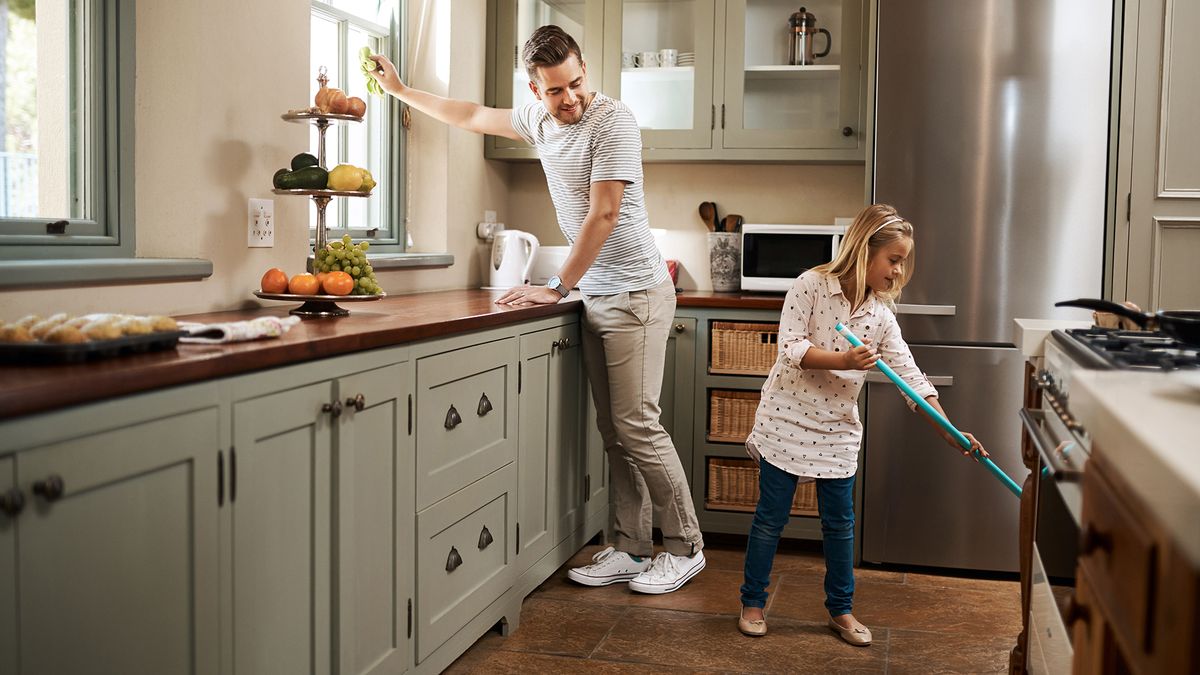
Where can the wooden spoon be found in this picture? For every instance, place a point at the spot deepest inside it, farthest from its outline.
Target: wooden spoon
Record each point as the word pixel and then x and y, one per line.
pixel 732 223
pixel 708 213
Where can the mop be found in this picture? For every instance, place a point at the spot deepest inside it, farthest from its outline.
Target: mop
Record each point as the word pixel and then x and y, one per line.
pixel 934 415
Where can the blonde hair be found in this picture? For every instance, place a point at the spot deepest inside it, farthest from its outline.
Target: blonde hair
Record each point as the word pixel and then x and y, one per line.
pixel 875 227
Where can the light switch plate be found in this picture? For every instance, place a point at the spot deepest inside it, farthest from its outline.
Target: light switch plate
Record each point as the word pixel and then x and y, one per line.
pixel 260 223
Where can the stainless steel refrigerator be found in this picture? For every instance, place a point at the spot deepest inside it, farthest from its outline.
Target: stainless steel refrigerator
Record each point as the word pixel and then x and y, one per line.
pixel 991 137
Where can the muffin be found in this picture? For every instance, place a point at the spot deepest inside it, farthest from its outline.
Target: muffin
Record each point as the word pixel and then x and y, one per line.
pixel 102 329
pixel 65 334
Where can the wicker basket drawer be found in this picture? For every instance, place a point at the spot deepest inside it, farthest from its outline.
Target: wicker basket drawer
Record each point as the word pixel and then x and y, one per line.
pixel 733 486
pixel 740 348
pixel 731 415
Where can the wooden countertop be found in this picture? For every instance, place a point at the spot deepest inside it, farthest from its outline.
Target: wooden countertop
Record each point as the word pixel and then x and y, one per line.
pixel 390 321
pixel 737 300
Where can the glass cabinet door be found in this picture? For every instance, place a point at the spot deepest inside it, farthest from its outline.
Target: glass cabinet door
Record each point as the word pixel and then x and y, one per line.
pixel 659 61
pixel 771 103
pixel 515 21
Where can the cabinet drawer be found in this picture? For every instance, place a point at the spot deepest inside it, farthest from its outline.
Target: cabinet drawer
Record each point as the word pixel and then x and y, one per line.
pixel 1120 556
pixel 465 551
pixel 466 416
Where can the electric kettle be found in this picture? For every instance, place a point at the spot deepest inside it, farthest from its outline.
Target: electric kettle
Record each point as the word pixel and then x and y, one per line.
pixel 512 256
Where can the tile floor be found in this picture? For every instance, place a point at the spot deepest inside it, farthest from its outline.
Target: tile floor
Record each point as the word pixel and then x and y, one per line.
pixel 921 624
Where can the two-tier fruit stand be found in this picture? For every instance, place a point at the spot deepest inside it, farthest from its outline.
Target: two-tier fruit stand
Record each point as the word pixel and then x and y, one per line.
pixel 319 305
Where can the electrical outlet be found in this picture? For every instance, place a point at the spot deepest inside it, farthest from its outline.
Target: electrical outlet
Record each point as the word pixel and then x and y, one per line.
pixel 487 230
pixel 489 216
pixel 260 223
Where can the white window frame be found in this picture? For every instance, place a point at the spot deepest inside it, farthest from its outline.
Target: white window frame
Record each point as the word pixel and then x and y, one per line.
pixel 387 138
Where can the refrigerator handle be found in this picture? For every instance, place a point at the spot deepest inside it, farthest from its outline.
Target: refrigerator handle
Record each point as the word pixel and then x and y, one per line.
pixel 929 310
pixel 876 377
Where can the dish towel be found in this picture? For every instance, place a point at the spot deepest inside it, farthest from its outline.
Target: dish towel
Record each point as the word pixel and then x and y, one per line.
pixel 237 331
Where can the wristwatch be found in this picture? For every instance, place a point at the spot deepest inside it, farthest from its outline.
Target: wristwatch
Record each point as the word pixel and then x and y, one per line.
pixel 556 284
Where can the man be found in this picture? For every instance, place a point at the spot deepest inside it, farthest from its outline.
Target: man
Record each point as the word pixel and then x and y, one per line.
pixel 590 148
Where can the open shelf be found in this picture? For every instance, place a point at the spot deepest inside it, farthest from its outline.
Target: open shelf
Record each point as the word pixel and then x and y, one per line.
pixel 773 72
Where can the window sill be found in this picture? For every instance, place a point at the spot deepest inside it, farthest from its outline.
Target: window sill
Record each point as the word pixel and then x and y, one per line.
pixel 405 261
pixel 100 271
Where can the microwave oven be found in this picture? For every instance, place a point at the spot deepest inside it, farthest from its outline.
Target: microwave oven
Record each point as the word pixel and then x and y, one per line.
pixel 774 255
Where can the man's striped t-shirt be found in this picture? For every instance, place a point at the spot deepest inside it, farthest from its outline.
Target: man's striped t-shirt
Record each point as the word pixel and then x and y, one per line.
pixel 605 144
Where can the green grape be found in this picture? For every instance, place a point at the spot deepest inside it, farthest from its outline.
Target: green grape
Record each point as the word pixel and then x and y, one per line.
pixel 335 245
pixel 335 268
pixel 364 245
pixel 368 269
pixel 356 270
pixel 348 239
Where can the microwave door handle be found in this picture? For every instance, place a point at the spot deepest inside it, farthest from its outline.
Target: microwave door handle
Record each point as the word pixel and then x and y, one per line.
pixel 876 377
pixel 928 310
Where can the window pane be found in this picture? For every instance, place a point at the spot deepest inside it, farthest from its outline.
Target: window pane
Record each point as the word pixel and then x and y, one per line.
pixel 378 11
pixel 36 111
pixel 324 51
pixel 360 149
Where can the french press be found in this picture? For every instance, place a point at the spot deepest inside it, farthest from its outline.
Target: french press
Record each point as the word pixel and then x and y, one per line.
pixel 802 31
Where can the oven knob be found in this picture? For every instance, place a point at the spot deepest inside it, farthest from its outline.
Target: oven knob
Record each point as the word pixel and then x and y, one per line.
pixel 1076 612
pixel 1094 539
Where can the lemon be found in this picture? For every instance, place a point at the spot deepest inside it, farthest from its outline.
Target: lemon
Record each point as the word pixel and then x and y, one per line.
pixel 368 182
pixel 345 177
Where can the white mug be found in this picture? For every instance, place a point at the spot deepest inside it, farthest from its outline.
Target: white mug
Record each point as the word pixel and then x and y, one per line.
pixel 646 60
pixel 668 58
pixel 628 59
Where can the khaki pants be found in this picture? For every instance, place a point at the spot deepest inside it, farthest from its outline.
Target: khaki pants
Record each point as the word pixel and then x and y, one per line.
pixel 624 345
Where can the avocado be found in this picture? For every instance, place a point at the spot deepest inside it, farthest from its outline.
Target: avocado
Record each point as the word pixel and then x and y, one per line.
pixel 278 175
pixel 307 178
pixel 302 160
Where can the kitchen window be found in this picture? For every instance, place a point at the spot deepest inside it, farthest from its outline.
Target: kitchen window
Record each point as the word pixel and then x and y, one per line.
pixel 66 166
pixel 340 28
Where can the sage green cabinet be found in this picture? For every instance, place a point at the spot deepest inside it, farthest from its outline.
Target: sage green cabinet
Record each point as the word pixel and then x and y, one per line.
pixel 550 471
pixel 113 559
pixel 731 94
pixel 13 504
pixel 281 469
pixel 374 521
pixel 321 520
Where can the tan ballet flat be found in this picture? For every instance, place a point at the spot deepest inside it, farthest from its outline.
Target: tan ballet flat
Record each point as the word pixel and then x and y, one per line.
pixel 757 628
pixel 859 637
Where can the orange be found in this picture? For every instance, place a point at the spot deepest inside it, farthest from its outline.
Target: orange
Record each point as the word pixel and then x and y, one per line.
pixel 304 284
pixel 274 281
pixel 321 279
pixel 338 283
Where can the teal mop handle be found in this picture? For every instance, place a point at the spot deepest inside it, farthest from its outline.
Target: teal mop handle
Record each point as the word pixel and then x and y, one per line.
pixel 934 414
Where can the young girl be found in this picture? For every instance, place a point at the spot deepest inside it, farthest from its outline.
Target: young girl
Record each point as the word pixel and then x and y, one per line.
pixel 807 425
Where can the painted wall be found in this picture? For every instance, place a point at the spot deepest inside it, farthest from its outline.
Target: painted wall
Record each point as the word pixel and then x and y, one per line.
pixel 760 193
pixel 210 86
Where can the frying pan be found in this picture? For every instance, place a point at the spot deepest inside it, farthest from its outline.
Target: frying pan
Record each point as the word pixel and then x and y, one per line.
pixel 1183 325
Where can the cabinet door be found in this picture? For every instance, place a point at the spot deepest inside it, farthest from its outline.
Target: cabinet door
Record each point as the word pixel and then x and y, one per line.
pixel 659 60
pixel 512 23
pixel 374 518
pixel 8 568
pixel 117 555
pixel 768 103
pixel 550 470
pixel 280 498
pixel 679 377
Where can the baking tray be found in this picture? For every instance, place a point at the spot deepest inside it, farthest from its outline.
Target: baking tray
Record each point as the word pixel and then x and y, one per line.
pixel 24 353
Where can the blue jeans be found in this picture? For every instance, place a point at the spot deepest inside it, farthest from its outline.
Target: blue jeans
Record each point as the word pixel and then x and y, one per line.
pixel 835 502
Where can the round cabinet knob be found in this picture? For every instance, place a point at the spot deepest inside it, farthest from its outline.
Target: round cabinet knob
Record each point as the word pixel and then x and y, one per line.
pixel 847 131
pixel 49 489
pixel 12 502
pixel 680 327
pixel 334 409
pixel 358 402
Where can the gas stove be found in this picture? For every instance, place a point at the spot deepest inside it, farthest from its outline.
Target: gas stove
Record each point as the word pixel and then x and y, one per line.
pixel 1108 348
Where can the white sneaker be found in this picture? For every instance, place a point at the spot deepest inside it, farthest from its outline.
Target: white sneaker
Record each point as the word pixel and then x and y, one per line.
pixel 668 573
pixel 609 566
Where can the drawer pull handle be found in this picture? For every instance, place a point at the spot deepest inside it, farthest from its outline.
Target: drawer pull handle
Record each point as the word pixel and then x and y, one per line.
pixel 49 489
pixel 453 419
pixel 12 502
pixel 358 402
pixel 485 406
pixel 334 409
pixel 485 538
pixel 453 560
pixel 1094 539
